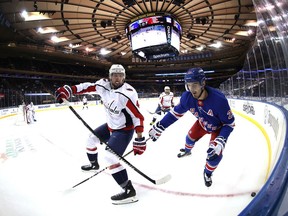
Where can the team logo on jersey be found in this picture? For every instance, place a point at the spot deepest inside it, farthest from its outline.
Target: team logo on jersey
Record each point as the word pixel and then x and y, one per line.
pixel 210 112
pixel 111 107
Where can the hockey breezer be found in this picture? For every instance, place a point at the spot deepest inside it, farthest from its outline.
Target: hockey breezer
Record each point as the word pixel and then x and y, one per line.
pixel 156 182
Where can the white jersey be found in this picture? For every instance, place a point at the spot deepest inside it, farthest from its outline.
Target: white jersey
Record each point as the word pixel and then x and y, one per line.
pixel 121 105
pixel 30 108
pixel 166 100
pixel 30 111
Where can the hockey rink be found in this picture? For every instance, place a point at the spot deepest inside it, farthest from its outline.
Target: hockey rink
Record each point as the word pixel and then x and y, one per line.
pixel 40 163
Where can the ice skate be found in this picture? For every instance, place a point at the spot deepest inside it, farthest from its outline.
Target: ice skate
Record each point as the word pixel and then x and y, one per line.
pixel 127 196
pixel 207 179
pixel 183 153
pixel 91 167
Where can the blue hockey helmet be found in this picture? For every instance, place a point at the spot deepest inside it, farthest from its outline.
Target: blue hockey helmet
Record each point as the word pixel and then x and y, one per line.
pixel 195 75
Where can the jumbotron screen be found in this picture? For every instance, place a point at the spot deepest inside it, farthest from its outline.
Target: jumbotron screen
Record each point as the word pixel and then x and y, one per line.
pixel 155 37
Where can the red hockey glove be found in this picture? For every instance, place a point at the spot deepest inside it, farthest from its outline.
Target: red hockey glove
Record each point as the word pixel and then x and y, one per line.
pixel 139 145
pixel 63 93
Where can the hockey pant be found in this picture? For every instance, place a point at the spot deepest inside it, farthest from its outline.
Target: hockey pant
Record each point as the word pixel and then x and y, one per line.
pixel 194 134
pixel 29 116
pixel 118 142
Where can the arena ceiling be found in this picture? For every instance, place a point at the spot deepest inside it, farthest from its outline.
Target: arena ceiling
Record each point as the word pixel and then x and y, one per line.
pixel 77 30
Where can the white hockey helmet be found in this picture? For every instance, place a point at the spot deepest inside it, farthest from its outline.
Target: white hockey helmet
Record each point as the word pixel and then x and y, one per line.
pixel 116 68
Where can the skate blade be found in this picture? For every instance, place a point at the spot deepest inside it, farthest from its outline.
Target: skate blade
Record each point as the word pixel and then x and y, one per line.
pixel 91 171
pixel 125 201
pixel 180 155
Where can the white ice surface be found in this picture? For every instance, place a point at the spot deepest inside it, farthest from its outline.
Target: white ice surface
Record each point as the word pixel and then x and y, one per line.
pixel 40 162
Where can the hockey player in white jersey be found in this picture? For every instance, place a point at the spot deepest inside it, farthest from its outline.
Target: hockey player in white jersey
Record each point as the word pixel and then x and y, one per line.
pixel 165 103
pixel 123 117
pixel 30 112
pixel 85 103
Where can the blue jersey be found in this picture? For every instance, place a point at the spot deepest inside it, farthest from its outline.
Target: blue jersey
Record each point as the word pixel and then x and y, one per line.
pixel 213 112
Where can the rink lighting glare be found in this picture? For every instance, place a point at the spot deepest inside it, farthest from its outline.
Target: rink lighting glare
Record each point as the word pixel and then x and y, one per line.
pixel 37 94
pixel 211 71
pixel 180 74
pixel 170 74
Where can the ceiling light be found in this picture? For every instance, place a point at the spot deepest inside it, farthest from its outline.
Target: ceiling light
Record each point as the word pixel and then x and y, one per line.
pixel 250 32
pixel 200 48
pixel 103 51
pixel 24 14
pixel 31 16
pixel 242 33
pixel 216 45
pixel 74 45
pixel 56 39
pixel 46 30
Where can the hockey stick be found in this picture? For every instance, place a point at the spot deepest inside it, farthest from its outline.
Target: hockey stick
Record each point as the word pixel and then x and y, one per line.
pixel 159 112
pixel 107 167
pixel 157 182
pixel 152 113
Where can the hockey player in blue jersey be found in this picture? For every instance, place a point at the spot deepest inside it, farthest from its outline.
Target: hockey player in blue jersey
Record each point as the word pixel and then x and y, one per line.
pixel 213 114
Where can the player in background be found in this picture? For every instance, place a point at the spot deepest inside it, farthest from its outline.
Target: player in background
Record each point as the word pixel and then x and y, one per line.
pixel 85 102
pixel 24 109
pixel 165 103
pixel 123 117
pixel 33 111
pixel 213 114
pixel 30 112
